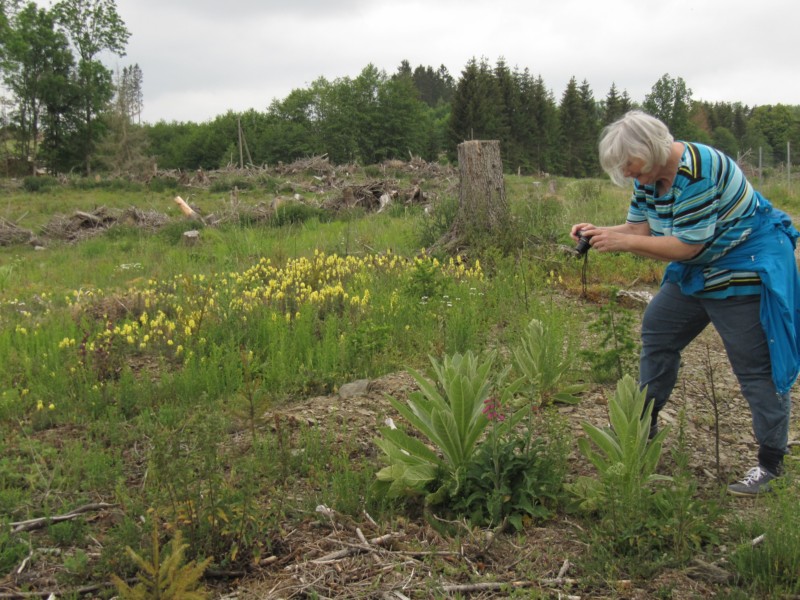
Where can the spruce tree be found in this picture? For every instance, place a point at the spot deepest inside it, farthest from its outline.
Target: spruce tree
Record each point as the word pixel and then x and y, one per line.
pixel 434 87
pixel 615 105
pixel 477 106
pixel 536 127
pixel 508 111
pixel 577 130
pixel 588 150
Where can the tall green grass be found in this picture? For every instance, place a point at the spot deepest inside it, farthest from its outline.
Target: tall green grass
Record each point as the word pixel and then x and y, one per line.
pixel 184 424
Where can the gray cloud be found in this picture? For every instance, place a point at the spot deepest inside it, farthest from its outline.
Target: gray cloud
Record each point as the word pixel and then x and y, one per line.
pixel 201 58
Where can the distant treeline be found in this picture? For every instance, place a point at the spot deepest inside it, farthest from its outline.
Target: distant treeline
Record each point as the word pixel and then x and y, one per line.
pixel 67 112
pixel 427 113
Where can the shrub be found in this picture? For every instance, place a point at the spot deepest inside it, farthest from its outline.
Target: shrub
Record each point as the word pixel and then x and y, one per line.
pixel 227 184
pixel 39 184
pixel 437 220
pixel 13 549
pixel 163 184
pixel 295 212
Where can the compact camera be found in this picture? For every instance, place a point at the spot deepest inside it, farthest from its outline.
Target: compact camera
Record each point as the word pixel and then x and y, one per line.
pixel 583 245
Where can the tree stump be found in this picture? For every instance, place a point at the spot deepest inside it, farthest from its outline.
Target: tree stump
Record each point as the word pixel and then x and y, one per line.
pixel 483 210
pixel 190 238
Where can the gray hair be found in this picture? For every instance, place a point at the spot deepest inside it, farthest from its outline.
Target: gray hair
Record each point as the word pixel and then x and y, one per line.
pixel 635 135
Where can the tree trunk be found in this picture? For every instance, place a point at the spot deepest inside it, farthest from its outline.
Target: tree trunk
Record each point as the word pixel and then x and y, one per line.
pixel 483 211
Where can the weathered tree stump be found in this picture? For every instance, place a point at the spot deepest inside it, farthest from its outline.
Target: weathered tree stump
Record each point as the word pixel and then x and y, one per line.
pixel 190 238
pixel 483 210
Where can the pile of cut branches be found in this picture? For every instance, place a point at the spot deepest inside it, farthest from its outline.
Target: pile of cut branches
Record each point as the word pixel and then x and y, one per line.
pixel 11 233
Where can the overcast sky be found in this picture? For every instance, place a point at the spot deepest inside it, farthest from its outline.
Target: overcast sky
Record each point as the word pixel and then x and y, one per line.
pixel 201 58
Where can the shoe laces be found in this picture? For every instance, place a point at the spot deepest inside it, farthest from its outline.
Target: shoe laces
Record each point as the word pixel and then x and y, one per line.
pixel 753 475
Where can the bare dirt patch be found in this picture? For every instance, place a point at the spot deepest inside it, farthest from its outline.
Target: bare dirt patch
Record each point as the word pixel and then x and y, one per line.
pixel 338 557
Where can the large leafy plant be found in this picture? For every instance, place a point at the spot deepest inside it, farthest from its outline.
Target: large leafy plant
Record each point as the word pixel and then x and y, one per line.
pixel 449 415
pixel 543 359
pixel 624 456
pixel 512 479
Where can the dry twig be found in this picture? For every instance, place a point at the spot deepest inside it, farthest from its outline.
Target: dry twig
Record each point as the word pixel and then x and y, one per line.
pixel 41 522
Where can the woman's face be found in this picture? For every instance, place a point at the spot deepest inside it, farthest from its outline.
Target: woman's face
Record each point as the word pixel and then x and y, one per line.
pixel 634 168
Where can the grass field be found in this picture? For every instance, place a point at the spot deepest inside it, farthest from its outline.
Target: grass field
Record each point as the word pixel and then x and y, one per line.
pixel 149 386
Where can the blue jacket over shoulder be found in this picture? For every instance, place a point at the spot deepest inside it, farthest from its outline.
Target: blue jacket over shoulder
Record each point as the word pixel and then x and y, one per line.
pixel 768 251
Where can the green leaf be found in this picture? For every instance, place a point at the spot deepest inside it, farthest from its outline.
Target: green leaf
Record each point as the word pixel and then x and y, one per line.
pixel 566 398
pixel 411 445
pixel 607 441
pixel 515 519
pixel 418 476
pixel 448 436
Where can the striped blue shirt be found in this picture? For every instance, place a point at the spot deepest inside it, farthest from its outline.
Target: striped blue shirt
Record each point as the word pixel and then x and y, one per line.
pixel 711 203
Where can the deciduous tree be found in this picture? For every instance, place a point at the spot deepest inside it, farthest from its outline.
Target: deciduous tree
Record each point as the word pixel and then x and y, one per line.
pixel 670 100
pixel 778 124
pixel 93 26
pixel 36 64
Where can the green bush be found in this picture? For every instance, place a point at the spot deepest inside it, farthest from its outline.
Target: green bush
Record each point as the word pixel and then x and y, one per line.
pixel 292 213
pixel 41 183
pixel 583 190
pixel 116 184
pixel 173 232
pixel 227 184
pixel 163 184
pixel 373 171
pixel 615 351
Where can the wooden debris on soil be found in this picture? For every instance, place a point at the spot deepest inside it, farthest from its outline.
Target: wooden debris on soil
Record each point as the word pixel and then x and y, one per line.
pixel 314 164
pixel 150 220
pixel 376 196
pixel 11 233
pixel 42 522
pixel 187 210
pixel 325 181
pixel 80 225
pixel 338 557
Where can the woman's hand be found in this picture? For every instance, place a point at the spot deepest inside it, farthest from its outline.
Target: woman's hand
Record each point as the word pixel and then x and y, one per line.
pixel 636 238
pixel 608 240
pixel 579 230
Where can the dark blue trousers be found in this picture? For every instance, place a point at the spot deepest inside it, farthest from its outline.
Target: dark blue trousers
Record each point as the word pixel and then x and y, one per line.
pixel 673 319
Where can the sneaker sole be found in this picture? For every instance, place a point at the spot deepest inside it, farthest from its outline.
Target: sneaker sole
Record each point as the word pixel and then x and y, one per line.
pixel 739 494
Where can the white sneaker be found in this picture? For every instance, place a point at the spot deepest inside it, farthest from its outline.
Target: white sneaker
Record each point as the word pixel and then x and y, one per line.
pixel 755 482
